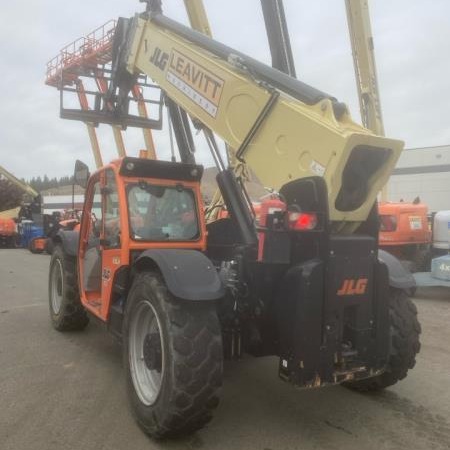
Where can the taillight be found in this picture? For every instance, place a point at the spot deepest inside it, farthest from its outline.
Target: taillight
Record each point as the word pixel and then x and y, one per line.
pixel 302 221
pixel 388 223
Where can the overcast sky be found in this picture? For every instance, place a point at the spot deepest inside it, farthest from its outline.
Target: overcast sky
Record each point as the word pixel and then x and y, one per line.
pixel 412 44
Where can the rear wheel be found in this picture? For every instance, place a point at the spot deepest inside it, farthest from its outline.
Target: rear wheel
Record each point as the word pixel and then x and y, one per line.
pixel 66 310
pixel 173 356
pixel 405 330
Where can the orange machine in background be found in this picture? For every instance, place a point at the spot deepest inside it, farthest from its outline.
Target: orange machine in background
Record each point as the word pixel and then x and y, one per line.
pixel 8 232
pixel 405 232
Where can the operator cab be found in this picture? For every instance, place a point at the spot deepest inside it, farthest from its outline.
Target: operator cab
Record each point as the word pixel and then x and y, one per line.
pixel 133 205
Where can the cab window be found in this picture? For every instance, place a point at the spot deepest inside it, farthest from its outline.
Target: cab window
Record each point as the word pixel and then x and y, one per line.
pixel 162 213
pixel 96 221
pixel 111 210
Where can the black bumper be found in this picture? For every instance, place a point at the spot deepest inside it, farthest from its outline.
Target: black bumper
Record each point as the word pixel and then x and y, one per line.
pixel 333 316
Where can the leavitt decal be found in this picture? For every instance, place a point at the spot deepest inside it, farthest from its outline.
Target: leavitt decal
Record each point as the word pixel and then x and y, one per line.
pixel 199 84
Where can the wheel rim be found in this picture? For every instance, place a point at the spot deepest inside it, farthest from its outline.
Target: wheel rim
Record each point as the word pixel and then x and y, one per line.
pixel 146 353
pixel 57 286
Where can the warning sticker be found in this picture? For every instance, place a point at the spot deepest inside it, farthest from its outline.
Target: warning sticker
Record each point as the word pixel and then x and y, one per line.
pixel 415 222
pixel 196 82
pixel 317 168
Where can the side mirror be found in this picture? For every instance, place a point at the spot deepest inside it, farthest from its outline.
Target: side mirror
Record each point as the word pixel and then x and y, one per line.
pixel 81 174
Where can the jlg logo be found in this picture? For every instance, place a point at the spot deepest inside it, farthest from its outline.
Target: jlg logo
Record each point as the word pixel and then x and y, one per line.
pixel 159 58
pixel 353 287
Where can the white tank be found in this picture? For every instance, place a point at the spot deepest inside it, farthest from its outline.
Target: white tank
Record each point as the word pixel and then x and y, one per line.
pixel 441 230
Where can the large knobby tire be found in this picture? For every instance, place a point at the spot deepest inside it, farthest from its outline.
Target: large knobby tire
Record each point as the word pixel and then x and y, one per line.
pixel 173 358
pixel 405 330
pixel 49 246
pixel 66 310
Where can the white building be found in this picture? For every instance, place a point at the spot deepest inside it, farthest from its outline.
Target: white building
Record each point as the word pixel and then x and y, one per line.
pixel 53 203
pixel 425 173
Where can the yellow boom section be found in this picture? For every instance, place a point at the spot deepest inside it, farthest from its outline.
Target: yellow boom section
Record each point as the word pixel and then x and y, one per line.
pixel 294 141
pixel 364 63
pixel 27 189
pixel 197 16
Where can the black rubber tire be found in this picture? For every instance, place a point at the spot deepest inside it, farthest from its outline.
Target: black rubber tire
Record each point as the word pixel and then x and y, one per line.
pixel 193 368
pixel 421 261
pixel 405 344
pixel 49 246
pixel 71 316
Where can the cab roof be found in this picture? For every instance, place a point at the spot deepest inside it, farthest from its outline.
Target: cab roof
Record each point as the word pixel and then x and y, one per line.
pixel 150 168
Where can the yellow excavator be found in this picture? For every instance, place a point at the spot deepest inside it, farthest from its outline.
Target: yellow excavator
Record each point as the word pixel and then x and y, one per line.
pixel 304 282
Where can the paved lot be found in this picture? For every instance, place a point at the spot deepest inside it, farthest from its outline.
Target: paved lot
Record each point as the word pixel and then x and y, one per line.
pixel 66 391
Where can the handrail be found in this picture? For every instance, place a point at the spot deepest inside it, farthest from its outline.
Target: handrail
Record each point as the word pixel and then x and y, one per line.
pixel 86 51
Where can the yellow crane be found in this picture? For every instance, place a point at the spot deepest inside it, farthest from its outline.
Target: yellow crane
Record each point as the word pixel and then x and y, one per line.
pixel 363 50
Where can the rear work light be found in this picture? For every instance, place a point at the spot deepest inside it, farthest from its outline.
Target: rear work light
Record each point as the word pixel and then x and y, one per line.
pixel 302 221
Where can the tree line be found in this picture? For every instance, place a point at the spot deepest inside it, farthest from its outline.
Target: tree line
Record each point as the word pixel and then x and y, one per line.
pixel 11 195
pixel 43 183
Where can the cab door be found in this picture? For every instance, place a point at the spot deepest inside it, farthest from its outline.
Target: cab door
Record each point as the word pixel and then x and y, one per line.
pixel 111 242
pixel 90 251
pixel 100 243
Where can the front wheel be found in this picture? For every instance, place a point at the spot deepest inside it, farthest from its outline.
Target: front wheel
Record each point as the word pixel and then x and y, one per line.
pixel 173 357
pixel 404 346
pixel 66 310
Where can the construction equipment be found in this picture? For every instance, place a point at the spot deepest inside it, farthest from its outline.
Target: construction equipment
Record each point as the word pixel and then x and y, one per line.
pixel 358 19
pixel 404 226
pixel 437 273
pixel 30 204
pixel 441 233
pixel 68 220
pixel 8 232
pixel 404 232
pixel 84 60
pixel 306 284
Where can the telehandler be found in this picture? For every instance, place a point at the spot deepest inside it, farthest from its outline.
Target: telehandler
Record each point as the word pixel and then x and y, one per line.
pixel 306 284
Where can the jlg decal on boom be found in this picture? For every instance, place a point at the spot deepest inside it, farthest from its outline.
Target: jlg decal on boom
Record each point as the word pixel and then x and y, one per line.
pixel 353 287
pixel 159 58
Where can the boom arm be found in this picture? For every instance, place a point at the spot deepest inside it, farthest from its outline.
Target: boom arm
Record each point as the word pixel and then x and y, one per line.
pixel 197 16
pixel 364 62
pixel 284 129
pixel 27 189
